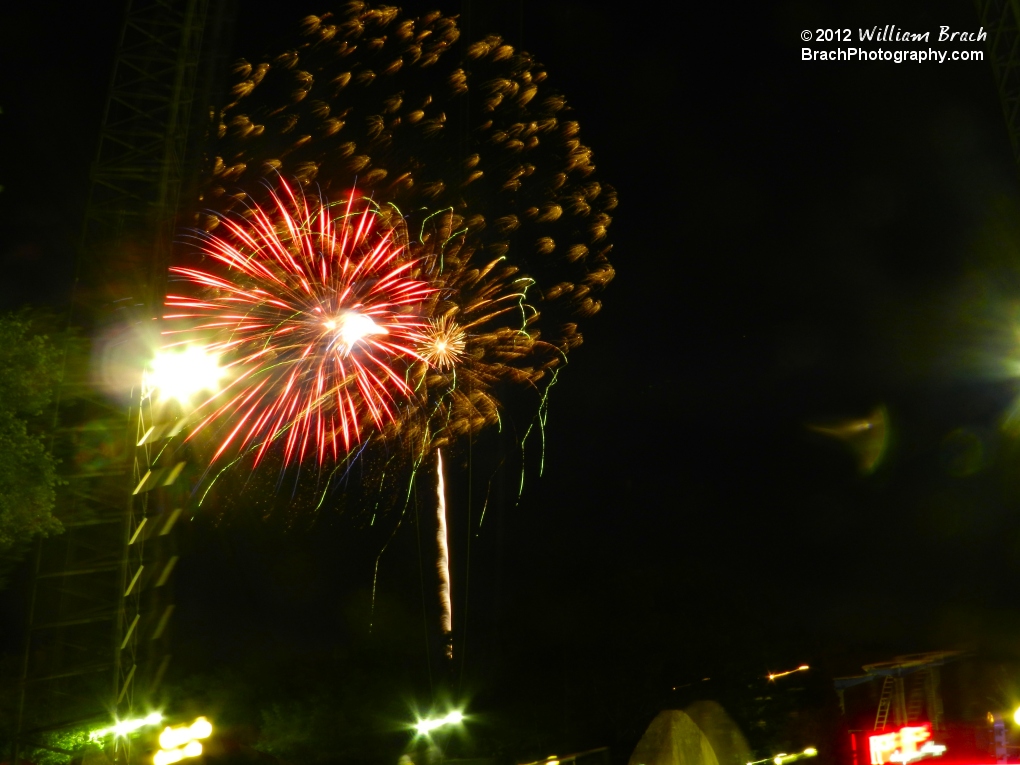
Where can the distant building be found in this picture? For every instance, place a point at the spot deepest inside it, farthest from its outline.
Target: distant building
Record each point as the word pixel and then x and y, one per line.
pixel 942 705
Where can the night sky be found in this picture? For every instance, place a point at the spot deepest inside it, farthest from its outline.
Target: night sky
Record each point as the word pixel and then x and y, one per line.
pixel 797 242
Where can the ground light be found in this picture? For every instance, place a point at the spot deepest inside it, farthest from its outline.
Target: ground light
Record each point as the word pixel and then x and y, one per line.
pixel 122 728
pixel 181 742
pixel 424 727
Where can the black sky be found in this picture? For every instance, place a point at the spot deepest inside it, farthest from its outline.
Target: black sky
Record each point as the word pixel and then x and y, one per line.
pixel 796 242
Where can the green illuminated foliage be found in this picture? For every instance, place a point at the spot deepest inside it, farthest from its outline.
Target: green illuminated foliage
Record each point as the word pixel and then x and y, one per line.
pixel 29 374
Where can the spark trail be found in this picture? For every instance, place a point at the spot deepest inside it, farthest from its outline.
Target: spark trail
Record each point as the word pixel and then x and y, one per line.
pixel 443 559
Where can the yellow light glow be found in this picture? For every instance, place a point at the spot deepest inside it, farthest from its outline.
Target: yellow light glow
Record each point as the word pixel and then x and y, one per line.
pixel 170 756
pixel 1016 716
pixel 183 374
pixel 810 751
pixel 171 738
pixel 193 749
pixel 201 728
pixel 164 757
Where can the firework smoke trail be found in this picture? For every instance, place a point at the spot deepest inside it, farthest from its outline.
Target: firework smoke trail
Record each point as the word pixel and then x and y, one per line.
pixel 443 559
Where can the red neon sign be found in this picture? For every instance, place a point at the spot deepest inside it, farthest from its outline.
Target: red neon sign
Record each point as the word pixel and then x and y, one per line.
pixel 905 745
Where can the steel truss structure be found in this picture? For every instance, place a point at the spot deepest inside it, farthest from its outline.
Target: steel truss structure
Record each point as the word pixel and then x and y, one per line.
pixel 100 605
pixel 911 689
pixel 1001 21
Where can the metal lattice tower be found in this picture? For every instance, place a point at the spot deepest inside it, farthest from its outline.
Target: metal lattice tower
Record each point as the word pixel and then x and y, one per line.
pixel 922 670
pixel 96 635
pixel 1001 20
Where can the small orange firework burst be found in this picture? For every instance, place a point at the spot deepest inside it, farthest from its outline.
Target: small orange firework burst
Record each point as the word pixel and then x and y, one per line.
pixel 443 344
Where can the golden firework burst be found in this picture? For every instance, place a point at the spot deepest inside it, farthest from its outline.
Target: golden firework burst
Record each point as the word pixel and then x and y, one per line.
pixel 443 344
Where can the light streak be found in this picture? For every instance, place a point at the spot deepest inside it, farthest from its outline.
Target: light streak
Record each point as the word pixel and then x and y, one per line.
pixel 777 675
pixel 443 559
pixel 782 758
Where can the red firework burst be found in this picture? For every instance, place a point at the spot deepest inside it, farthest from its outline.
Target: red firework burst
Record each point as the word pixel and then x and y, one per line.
pixel 313 312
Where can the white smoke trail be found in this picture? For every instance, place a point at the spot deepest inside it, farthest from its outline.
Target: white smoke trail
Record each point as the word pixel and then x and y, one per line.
pixel 443 560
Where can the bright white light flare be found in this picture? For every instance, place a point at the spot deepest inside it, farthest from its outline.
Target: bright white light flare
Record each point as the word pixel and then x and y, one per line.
pixel 427 726
pixel 353 327
pixel 182 374
pixel 124 727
